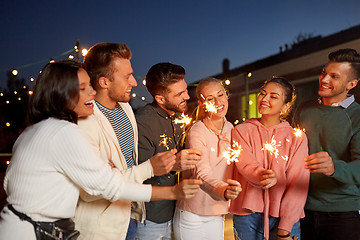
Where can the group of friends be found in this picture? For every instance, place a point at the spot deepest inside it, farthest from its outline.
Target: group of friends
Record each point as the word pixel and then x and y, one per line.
pixel 86 163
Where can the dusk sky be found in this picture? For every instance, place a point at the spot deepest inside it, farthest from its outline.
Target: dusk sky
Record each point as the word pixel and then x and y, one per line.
pixel 195 34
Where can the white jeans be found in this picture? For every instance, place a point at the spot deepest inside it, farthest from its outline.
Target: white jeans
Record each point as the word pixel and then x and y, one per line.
pixel 190 226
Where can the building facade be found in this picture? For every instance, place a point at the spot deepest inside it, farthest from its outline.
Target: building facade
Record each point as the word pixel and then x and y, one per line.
pixel 301 64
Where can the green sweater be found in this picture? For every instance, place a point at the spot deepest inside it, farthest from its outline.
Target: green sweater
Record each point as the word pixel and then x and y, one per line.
pixel 337 131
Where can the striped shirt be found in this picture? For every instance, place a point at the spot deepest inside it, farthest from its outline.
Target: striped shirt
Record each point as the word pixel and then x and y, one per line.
pixel 123 130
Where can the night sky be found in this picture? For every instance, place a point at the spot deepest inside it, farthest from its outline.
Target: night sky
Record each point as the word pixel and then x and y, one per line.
pixel 195 34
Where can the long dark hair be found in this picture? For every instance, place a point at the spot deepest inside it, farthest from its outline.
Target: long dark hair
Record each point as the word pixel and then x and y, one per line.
pixel 56 92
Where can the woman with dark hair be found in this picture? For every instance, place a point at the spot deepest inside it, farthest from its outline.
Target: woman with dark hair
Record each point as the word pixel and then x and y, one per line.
pixel 52 160
pixel 270 169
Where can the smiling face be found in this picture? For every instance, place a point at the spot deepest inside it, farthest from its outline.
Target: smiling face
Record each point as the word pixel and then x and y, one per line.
pixel 174 100
pixel 122 81
pixel 335 82
pixel 271 100
pixel 85 106
pixel 214 93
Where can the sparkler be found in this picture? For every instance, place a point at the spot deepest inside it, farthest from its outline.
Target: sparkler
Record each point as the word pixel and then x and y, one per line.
pixel 298 132
pixel 165 140
pixel 232 153
pixel 272 147
pixel 183 119
pixel 209 106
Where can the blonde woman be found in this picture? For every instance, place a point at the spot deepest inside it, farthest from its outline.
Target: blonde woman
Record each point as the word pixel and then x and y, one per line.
pixel 202 217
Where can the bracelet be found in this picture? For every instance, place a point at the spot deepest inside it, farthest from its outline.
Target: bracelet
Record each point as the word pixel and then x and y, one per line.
pixel 284 236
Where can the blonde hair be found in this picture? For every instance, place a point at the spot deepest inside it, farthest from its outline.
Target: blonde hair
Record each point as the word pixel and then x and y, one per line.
pixel 200 112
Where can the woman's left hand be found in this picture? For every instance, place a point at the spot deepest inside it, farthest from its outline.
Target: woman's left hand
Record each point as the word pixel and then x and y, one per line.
pixel 232 190
pixel 268 179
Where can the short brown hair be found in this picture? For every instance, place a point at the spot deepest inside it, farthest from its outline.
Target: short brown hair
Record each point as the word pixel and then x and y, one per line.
pixel 348 55
pixel 98 60
pixel 161 75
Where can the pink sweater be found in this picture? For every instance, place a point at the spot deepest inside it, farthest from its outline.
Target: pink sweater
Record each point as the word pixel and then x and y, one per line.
pixel 287 198
pixel 211 169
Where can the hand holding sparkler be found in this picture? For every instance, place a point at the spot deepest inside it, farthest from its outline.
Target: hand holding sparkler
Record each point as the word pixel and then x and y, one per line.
pixel 232 190
pixel 162 163
pixel 320 162
pixel 187 188
pixel 268 179
pixel 187 159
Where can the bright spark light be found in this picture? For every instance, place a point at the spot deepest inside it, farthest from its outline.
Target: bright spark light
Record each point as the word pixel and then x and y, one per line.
pixel 272 147
pixel 183 119
pixel 165 140
pixel 298 132
pixel 209 106
pixel 232 153
pixel 285 157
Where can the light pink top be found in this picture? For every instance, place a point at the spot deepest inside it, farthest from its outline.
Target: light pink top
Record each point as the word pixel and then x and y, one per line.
pixel 287 198
pixel 212 169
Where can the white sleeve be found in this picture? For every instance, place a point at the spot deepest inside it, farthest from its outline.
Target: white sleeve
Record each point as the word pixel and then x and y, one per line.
pixel 75 157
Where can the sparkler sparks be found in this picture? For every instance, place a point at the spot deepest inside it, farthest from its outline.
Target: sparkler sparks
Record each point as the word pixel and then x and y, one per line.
pixel 165 140
pixel 298 132
pixel 209 106
pixel 272 147
pixel 232 153
pixel 183 119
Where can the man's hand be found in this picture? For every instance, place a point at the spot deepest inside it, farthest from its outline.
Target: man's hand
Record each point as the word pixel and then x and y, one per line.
pixel 268 179
pixel 187 188
pixel 163 162
pixel 232 190
pixel 187 159
pixel 320 162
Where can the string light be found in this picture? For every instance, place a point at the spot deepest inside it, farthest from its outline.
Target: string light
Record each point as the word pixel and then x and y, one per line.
pixel 14 72
pixel 134 95
pixel 84 52
pixel 30 92
pixel 227 82
pixel 144 82
pixel 7 124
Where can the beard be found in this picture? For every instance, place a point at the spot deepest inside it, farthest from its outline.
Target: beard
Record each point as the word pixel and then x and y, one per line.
pixel 175 108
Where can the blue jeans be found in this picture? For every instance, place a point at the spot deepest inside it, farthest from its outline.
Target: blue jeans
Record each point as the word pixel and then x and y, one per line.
pixel 251 227
pixel 131 230
pixel 153 231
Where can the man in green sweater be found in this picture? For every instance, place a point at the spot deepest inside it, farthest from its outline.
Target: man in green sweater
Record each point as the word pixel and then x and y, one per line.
pixel 332 125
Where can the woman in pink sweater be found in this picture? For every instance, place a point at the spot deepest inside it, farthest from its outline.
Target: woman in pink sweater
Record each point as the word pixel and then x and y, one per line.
pixel 270 169
pixel 202 216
